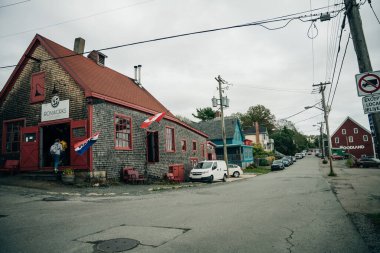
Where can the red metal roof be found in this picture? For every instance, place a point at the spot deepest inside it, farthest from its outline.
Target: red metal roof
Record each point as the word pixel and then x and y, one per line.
pixel 101 81
pixel 97 81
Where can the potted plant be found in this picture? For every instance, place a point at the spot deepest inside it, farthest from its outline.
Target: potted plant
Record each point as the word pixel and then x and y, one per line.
pixel 68 176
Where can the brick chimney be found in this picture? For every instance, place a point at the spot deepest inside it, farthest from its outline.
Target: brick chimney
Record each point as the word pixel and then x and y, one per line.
pixel 257 132
pixel 79 45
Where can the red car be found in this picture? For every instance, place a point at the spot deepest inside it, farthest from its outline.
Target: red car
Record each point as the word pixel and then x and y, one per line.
pixel 337 157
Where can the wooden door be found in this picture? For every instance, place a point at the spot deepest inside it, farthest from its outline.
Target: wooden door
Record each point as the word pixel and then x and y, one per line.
pixel 78 133
pixel 29 148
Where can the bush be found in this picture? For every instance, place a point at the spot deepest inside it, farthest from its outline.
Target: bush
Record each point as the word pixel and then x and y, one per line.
pixel 263 162
pixel 350 162
pixel 324 161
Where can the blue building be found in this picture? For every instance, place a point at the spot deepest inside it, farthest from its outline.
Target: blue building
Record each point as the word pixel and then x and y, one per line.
pixel 238 152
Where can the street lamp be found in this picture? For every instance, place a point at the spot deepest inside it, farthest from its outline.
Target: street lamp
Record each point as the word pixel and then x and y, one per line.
pixel 325 112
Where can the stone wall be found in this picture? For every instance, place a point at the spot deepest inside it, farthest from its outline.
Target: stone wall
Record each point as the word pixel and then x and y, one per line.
pixel 106 157
pixel 17 104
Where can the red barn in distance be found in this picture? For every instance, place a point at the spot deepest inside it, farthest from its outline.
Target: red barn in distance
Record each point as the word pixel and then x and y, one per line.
pixel 353 138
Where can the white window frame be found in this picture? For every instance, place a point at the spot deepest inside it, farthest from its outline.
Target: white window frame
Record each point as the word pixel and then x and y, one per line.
pixel 356 130
pixel 336 139
pixel 366 137
pixel 350 139
pixel 343 131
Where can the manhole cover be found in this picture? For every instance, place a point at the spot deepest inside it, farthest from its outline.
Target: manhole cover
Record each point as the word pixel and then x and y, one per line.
pixel 117 245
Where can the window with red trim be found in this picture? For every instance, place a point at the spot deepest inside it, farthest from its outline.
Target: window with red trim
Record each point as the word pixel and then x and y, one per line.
pixel 183 145
pixel 194 146
pixel 123 132
pixel 12 136
pixel 169 139
pixel 37 87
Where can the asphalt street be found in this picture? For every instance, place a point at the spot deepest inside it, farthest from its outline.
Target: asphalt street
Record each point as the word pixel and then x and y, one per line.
pixel 293 210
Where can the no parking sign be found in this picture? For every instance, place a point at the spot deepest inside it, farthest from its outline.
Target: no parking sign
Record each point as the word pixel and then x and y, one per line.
pixel 368 83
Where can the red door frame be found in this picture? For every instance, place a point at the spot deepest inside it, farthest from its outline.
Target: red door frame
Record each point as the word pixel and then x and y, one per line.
pixel 76 161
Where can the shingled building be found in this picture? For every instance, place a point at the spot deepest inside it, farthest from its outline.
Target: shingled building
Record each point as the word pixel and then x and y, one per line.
pixel 55 92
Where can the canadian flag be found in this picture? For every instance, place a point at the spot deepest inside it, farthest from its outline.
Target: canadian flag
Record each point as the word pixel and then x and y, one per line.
pixel 158 117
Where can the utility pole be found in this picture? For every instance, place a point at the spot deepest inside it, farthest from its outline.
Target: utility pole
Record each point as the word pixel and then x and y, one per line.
pixel 326 111
pixel 223 102
pixel 364 62
pixel 320 142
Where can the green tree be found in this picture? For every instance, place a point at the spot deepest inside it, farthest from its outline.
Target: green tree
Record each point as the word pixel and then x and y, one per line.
pixel 258 113
pixel 289 141
pixel 283 141
pixel 205 114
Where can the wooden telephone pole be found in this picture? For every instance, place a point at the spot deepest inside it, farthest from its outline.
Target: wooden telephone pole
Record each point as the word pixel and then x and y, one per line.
pixel 364 62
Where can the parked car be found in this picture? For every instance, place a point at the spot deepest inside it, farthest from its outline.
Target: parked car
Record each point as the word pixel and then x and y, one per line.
pixel 294 159
pixel 367 162
pixel 209 171
pixel 337 157
pixel 289 159
pixel 234 170
pixel 277 165
pixel 286 162
pixel 298 155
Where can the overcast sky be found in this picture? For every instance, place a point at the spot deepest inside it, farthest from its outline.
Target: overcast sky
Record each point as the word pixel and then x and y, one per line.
pixel 275 68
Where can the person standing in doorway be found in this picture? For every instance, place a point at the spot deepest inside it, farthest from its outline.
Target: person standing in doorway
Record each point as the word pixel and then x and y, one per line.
pixel 63 153
pixel 55 151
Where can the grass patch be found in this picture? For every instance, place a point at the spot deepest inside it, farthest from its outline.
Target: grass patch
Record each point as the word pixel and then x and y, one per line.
pixel 259 170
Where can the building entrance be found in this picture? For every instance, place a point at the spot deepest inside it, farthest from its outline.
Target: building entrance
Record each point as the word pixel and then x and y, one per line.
pixel 48 135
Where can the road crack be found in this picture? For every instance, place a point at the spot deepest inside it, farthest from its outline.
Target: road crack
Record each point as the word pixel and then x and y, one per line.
pixel 289 238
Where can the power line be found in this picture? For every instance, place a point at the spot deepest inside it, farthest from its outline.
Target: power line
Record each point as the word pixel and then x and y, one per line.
pixel 7 5
pixel 256 23
pixel 309 118
pixel 73 20
pixel 370 4
pixel 299 112
pixel 340 70
pixel 275 89
pixel 337 54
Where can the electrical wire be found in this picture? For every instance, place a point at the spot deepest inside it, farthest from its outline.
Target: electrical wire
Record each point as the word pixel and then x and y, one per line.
pixel 7 5
pixel 309 118
pixel 73 20
pixel 370 4
pixel 299 112
pixel 275 89
pixel 256 23
pixel 332 39
pixel 340 70
pixel 337 54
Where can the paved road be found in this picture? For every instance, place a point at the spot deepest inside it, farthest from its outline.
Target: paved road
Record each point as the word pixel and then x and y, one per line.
pixel 287 211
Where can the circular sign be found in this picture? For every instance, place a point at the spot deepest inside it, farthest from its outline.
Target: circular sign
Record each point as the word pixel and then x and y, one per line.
pixel 55 101
pixel 369 83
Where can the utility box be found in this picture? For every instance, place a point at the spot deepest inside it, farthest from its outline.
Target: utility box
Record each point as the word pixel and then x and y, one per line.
pixel 178 171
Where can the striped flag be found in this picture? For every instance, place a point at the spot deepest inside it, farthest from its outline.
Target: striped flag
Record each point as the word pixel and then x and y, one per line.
pixel 82 146
pixel 158 117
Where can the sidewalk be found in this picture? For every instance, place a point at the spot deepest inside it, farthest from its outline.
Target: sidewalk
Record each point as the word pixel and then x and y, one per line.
pixel 358 191
pixel 57 188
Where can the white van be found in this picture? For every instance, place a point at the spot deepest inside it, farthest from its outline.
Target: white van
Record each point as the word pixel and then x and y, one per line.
pixel 209 171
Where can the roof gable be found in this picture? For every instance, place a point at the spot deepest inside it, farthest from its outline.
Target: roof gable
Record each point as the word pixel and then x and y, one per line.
pixel 356 123
pixel 213 128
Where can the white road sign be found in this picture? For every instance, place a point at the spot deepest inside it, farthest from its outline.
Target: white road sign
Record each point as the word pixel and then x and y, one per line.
pixel 368 83
pixel 371 104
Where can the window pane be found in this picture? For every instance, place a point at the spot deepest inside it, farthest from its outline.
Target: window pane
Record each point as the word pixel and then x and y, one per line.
pixel 123 132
